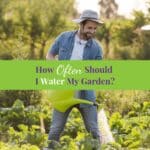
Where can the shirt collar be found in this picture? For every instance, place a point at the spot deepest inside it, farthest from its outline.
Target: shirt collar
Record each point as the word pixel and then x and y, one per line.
pixel 89 42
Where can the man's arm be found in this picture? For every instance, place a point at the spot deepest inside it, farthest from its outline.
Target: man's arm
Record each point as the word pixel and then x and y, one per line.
pixel 54 50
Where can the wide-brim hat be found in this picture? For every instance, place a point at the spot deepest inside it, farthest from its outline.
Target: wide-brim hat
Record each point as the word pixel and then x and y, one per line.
pixel 89 15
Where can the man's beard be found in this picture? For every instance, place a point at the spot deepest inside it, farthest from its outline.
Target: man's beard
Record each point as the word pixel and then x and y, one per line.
pixel 88 35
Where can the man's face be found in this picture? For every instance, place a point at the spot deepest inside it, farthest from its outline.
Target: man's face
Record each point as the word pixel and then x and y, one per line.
pixel 88 29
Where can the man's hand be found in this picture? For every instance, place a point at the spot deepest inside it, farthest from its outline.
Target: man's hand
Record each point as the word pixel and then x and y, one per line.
pixel 49 56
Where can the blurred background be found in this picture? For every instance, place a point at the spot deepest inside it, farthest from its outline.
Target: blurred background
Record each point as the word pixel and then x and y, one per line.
pixel 29 27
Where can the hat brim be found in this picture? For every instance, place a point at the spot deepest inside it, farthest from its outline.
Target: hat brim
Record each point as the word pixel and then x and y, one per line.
pixel 81 20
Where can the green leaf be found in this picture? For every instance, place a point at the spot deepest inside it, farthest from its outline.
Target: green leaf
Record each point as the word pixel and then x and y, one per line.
pixel 134 145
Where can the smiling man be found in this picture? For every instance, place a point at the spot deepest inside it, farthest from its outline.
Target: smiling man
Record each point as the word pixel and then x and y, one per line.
pixel 77 45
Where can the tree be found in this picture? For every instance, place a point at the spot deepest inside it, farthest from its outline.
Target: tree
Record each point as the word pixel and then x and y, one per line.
pixel 108 9
pixel 30 25
pixel 104 34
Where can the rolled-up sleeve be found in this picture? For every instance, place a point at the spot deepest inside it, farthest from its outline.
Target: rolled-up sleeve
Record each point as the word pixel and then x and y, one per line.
pixel 54 49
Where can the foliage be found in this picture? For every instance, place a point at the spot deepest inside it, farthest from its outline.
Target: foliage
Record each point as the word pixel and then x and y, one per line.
pixel 20 125
pixel 26 135
pixel 123 39
pixel 28 26
pixel 121 100
pixel 108 8
pixel 128 113
pixel 8 146
pixel 132 131
pixel 29 97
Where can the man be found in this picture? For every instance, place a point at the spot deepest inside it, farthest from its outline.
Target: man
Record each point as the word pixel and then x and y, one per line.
pixel 77 45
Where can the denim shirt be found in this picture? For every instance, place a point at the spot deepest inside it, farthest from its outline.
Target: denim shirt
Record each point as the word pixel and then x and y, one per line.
pixel 64 44
pixel 63 47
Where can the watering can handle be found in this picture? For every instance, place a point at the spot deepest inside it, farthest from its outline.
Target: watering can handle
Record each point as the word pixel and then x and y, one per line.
pixel 95 104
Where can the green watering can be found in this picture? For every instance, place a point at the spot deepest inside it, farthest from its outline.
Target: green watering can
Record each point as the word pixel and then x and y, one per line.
pixel 61 100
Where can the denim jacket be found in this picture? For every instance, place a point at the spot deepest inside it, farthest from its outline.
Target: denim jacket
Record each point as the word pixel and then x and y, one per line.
pixel 64 44
pixel 63 47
